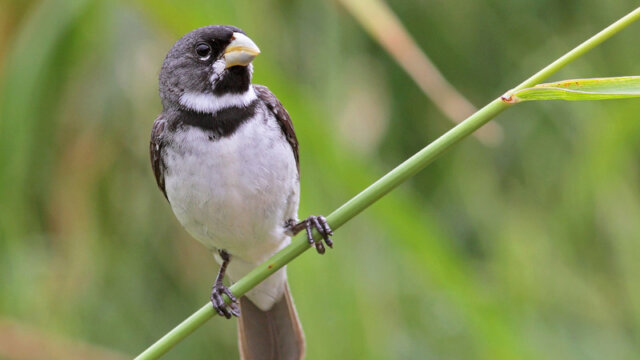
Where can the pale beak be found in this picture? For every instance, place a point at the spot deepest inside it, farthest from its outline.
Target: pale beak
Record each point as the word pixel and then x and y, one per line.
pixel 241 51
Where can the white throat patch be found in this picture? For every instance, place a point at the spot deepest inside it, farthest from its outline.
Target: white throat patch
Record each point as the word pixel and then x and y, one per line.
pixel 218 68
pixel 210 103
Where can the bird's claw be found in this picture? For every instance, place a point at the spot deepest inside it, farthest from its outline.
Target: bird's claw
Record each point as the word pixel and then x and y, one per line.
pixel 320 224
pixel 217 300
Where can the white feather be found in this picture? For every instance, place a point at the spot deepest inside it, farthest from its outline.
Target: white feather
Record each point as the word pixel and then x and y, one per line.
pixel 210 103
pixel 218 67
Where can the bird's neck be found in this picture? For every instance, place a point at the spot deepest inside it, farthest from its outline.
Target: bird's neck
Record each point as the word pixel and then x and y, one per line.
pixel 212 102
pixel 223 123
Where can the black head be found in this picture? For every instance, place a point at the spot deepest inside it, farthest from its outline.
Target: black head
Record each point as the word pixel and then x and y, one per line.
pixel 210 61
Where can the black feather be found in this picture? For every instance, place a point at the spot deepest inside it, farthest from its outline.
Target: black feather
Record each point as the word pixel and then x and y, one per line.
pixel 275 106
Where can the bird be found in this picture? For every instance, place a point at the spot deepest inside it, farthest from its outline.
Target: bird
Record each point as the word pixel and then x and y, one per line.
pixel 225 155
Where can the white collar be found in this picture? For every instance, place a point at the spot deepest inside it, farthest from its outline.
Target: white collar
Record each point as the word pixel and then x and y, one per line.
pixel 210 103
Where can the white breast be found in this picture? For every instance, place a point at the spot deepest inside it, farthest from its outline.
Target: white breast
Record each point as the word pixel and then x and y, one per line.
pixel 234 193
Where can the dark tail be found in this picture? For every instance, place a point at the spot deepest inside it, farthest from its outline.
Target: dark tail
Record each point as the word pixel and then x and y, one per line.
pixel 275 334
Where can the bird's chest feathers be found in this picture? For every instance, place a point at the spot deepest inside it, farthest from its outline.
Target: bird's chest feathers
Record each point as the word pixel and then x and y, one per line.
pixel 233 191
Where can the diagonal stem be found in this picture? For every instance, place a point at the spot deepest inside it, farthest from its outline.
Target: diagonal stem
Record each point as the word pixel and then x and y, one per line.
pixel 380 188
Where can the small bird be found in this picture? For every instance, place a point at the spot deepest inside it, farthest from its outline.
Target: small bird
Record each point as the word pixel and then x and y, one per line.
pixel 225 155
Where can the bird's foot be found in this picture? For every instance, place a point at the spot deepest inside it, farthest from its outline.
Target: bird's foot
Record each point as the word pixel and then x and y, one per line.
pixel 218 301
pixel 318 222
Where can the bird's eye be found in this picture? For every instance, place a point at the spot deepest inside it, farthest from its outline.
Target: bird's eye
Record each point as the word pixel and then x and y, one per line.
pixel 203 50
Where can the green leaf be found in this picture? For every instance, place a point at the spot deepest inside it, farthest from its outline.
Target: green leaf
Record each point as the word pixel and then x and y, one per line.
pixel 579 89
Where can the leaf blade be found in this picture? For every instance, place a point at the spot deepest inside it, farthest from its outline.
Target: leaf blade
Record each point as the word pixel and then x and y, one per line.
pixel 579 89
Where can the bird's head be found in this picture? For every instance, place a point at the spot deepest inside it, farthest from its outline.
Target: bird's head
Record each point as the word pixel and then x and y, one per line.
pixel 208 69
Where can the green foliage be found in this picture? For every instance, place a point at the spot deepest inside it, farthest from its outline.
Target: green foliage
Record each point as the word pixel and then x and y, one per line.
pixel 527 250
pixel 579 89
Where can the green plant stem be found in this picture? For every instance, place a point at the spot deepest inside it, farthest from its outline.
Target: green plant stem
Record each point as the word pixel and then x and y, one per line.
pixel 380 188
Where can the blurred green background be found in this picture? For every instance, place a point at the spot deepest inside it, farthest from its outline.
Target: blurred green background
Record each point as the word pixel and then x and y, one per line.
pixel 527 249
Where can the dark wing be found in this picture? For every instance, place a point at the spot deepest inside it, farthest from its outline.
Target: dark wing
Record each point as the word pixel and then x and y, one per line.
pixel 282 116
pixel 155 150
